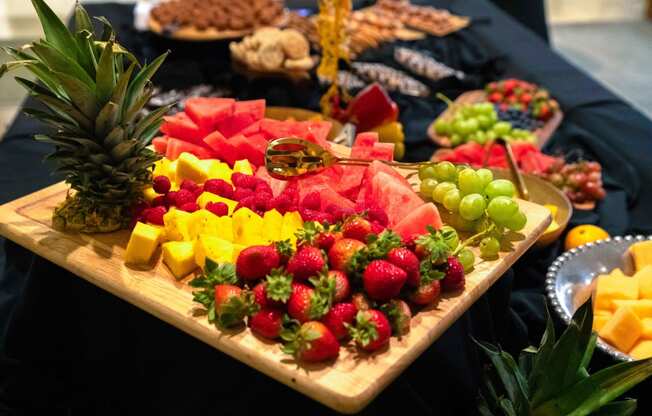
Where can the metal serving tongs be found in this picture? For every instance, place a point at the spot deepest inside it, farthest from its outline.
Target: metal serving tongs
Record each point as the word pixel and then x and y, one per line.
pixel 291 156
pixel 513 167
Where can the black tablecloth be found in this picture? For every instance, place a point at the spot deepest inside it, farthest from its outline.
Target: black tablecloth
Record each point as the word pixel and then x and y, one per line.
pixel 71 348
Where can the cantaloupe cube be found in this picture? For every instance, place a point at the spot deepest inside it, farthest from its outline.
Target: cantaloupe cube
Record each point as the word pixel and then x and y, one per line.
pixel 220 170
pixel 291 223
pixel 642 350
pixel 179 256
pixel 214 248
pixel 207 197
pixel 644 277
pixel 609 288
pixel 642 307
pixel 641 253
pixel 247 227
pixel 272 224
pixel 647 328
pixel 142 244
pixel 243 166
pixel 623 329
pixel 599 321
pixel 176 225
pixel 190 167
pixel 149 194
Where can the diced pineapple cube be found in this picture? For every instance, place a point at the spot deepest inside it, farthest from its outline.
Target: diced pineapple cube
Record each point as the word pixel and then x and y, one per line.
pixel 220 170
pixel 613 287
pixel 176 225
pixel 179 256
pixel 642 350
pixel 272 224
pixel 207 197
pixel 617 273
pixel 172 172
pixel 243 166
pixel 623 329
pixel 642 307
pixel 190 167
pixel 647 328
pixel 291 223
pixel 221 227
pixel 214 248
pixel 161 167
pixel 641 253
pixel 142 244
pixel 237 248
pixel 644 277
pixel 197 222
pixel 149 194
pixel 599 321
pixel 247 227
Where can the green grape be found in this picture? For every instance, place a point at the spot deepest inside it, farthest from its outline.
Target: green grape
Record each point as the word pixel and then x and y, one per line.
pixel 459 126
pixel 427 170
pixel 443 127
pixel 517 221
pixel 445 172
pixel 452 199
pixel 472 125
pixel 485 176
pixel 450 236
pixel 472 207
pixel 490 135
pixel 493 116
pixel 456 140
pixel 484 122
pixel 461 167
pixel 489 247
pixel 500 187
pixel 469 182
pixel 480 137
pixel 502 128
pixel 467 259
pixel 463 225
pixel 466 111
pixel 501 209
pixel 427 186
pixel 440 191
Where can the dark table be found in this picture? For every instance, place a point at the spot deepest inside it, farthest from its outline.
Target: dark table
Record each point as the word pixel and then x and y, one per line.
pixel 70 348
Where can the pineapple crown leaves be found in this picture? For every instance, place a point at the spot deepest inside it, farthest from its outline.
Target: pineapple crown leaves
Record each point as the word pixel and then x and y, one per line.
pixel 377 248
pixel 284 248
pixel 297 338
pixel 322 296
pixel 364 331
pixel 309 232
pixel 278 285
pixel 553 379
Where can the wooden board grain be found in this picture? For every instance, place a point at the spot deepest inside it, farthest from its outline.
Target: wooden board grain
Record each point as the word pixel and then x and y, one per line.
pixel 347 385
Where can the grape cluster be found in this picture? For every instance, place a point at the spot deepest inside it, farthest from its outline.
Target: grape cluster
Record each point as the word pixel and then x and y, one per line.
pixel 581 181
pixel 477 201
pixel 522 120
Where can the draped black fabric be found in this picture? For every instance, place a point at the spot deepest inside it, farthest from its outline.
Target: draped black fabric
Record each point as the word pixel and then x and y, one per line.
pixel 71 348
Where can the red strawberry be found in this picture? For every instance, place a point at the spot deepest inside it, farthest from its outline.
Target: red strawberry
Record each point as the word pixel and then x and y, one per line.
pixel 161 184
pixel 399 315
pixel 342 251
pixel 189 185
pixel 312 201
pixel 154 215
pixel 189 207
pixel 426 293
pixel 525 98
pixel 306 262
pixel 325 240
pixel 382 280
pixel 218 208
pixel 219 187
pixel 275 290
pixel 371 331
pixel 306 303
pixel 408 261
pixel 267 323
pixel 495 97
pixel 339 315
pixel 312 342
pixel 232 304
pixel 357 228
pixel 361 301
pixel 342 285
pixel 454 279
pixel 255 262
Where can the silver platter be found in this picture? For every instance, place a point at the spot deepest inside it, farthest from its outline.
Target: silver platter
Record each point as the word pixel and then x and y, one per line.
pixel 569 277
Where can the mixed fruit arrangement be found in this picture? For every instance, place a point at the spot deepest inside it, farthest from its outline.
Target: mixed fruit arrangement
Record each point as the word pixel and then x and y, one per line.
pixel 529 99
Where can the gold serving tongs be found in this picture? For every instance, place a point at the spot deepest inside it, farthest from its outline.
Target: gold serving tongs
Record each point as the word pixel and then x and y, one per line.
pixel 291 156
pixel 513 167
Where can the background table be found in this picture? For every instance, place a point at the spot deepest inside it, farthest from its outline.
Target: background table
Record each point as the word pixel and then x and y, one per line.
pixel 72 348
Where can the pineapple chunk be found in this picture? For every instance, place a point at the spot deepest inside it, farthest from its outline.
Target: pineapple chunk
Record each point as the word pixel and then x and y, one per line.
pixel 642 307
pixel 243 166
pixel 143 242
pixel 161 167
pixel 291 223
pixel 642 350
pixel 214 248
pixel 617 273
pixel 220 170
pixel 179 256
pixel 599 321
pixel 237 248
pixel 207 197
pixel 176 225
pixel 647 328
pixel 623 329
pixel 190 167
pixel 197 222
pixel 644 277
pixel 172 173
pixel 641 253
pixel 247 227
pixel 149 194
pixel 272 224
pixel 613 286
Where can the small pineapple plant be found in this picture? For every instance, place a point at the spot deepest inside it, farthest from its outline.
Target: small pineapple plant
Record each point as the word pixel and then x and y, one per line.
pixel 93 91
pixel 553 380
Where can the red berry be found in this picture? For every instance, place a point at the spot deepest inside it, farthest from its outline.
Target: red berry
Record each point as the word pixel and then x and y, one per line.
pixel 244 181
pixel 182 197
pixel 408 261
pixel 189 207
pixel 155 215
pixel 382 280
pixel 159 201
pixel 218 208
pixel 139 208
pixel 372 330
pixel 171 198
pixel 281 203
pixel 308 261
pixel 262 201
pixel 426 293
pixel 325 241
pixel 454 279
pixel 376 228
pixel 267 323
pixel 337 316
pixel 161 184
pixel 189 185
pixel 263 188
pixel 312 201
pixel 247 202
pixel 342 286
pixel 357 228
pixel 256 262
pixel 219 187
pixel 242 193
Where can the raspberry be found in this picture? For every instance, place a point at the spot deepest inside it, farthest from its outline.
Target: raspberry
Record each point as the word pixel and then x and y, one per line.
pixel 171 198
pixel 247 202
pixel 219 187
pixel 138 208
pixel 313 215
pixel 183 197
pixel 189 207
pixel 198 191
pixel 244 181
pixel 189 185
pixel 161 184
pixel 376 214
pixel 312 201
pixel 263 188
pixel 218 208
pixel 262 201
pixel 281 203
pixel 339 213
pixel 159 201
pixel 155 215
pixel 242 193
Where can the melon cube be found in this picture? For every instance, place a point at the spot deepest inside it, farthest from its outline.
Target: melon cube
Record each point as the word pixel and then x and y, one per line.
pixel 190 167
pixel 642 307
pixel 644 277
pixel 641 253
pixel 179 256
pixel 149 194
pixel 220 170
pixel 647 328
pixel 176 225
pixel 213 248
pixel 247 227
pixel 292 222
pixel 272 224
pixel 642 350
pixel 613 287
pixel 243 166
pixel 207 197
pixel 623 329
pixel 143 242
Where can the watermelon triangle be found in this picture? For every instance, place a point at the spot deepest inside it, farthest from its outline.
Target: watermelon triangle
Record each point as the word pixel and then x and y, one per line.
pixel 207 112
pixel 416 222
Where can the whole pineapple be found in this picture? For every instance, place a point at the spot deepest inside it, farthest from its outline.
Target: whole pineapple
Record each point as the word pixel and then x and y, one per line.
pixel 93 90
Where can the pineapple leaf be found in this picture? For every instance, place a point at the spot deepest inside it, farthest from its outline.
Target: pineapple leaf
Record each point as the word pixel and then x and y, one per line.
pixel 108 34
pixel 57 142
pixel 53 120
pixel 87 50
pixel 118 51
pixel 508 407
pixel 32 64
pixel 82 19
pixel 106 119
pixel 58 61
pixel 105 76
pixel 543 353
pixel 120 90
pixel 135 108
pixel 146 137
pixel 80 94
pixel 621 408
pixel 12 65
pixel 150 120
pixel 114 137
pixel 123 150
pixel 56 32
pixel 526 362
pixel 135 90
pixel 588 354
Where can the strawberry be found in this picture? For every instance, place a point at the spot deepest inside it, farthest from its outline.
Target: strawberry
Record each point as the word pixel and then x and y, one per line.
pixel 154 215
pixel 338 317
pixel 231 305
pixel 342 285
pixel 342 251
pixel 267 323
pixel 325 240
pixel 357 228
pixel 495 97
pixel 454 279
pixel 408 261
pixel 312 342
pixel 399 314
pixel 382 280
pixel 426 293
pixel 255 262
pixel 306 262
pixel 525 98
pixel 361 301
pixel 219 187
pixel 306 303
pixel 275 290
pixel 161 184
pixel 371 330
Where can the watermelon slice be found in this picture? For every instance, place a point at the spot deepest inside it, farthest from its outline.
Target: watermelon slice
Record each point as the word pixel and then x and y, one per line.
pixel 207 112
pixel 253 128
pixel 160 144
pixel 175 147
pixel 349 184
pixel 393 196
pixel 367 180
pixel 251 148
pixel 244 114
pixel 319 129
pixel 366 139
pixel 416 222
pixel 328 195
pixel 180 126
pixel 273 129
pixel 222 147
pixel 277 185
pixel 379 151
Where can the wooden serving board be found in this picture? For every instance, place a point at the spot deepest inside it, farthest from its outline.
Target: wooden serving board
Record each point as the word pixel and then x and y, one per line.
pixel 346 385
pixel 471 97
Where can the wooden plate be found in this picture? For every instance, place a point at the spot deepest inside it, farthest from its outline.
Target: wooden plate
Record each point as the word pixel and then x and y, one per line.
pixel 476 96
pixel 346 385
pixel 301 114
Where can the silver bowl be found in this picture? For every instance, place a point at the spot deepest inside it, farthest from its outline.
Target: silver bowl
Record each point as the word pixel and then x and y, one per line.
pixel 570 276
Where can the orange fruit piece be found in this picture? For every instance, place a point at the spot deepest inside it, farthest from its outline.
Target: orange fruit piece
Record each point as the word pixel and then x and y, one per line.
pixel 583 234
